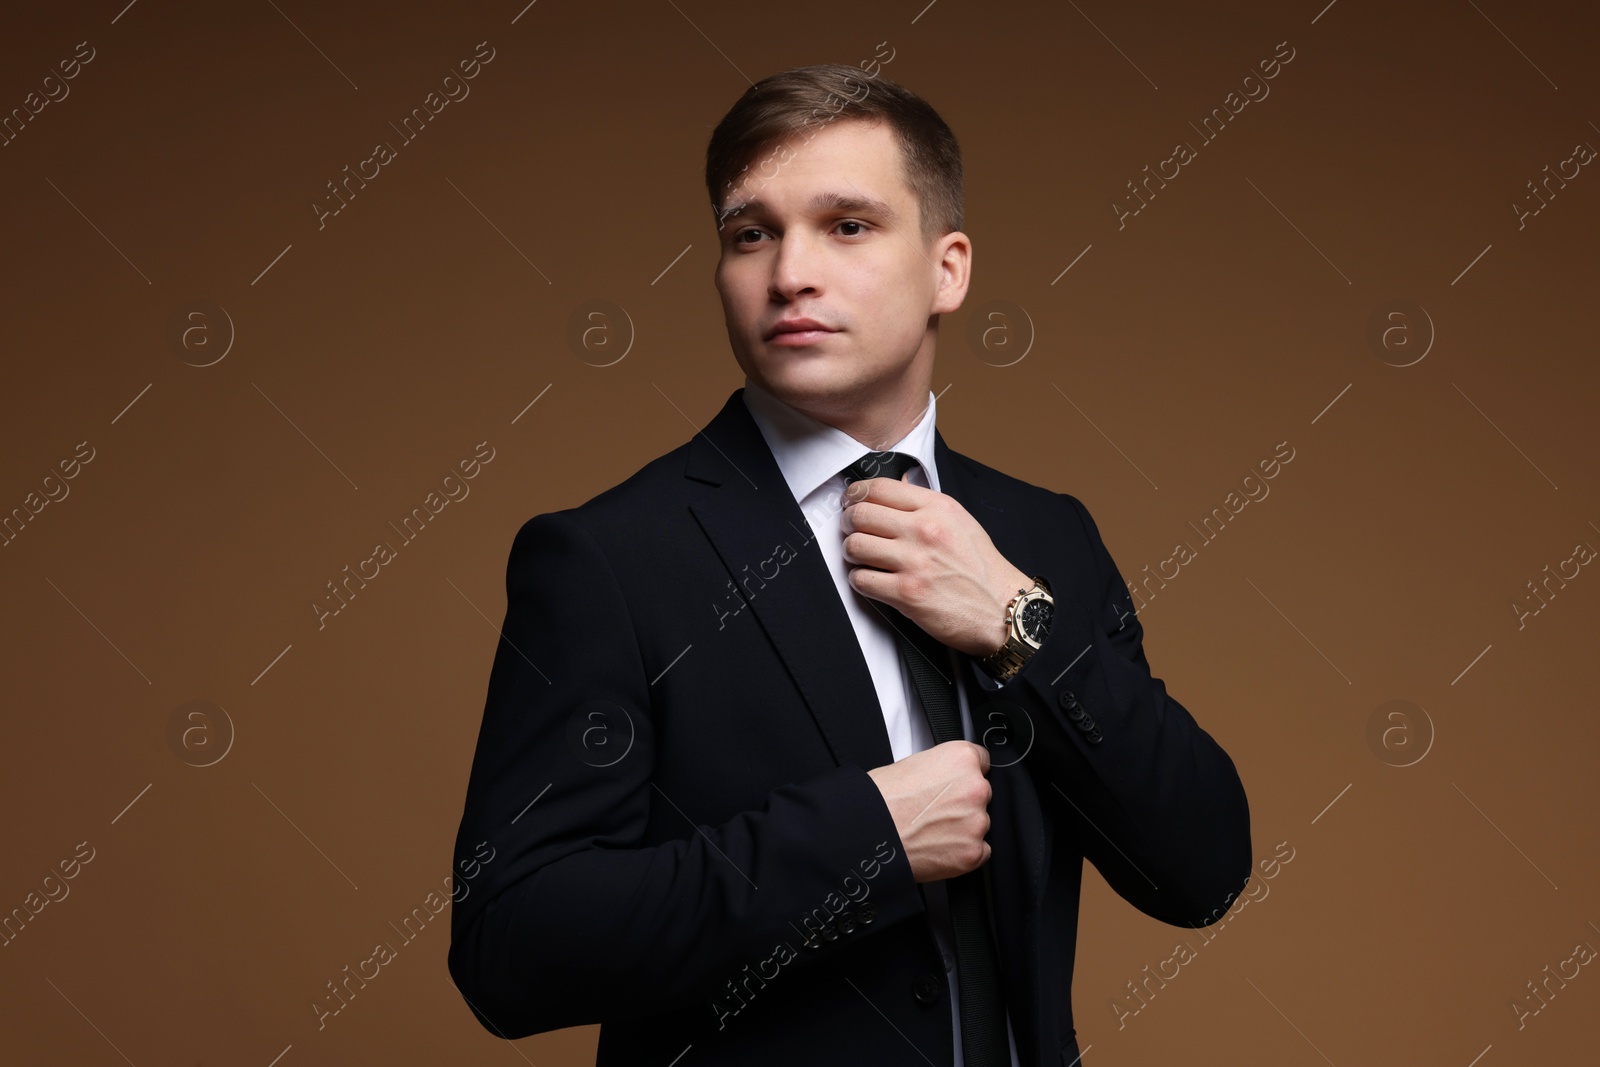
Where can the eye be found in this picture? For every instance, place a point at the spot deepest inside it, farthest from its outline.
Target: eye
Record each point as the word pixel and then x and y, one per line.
pixel 740 236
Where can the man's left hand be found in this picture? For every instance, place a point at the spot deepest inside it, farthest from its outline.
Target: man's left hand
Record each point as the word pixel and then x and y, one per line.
pixel 924 554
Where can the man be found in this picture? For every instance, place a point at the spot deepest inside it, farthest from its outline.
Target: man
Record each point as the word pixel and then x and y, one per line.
pixel 776 771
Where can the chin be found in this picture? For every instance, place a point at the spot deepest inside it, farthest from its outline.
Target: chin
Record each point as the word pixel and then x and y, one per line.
pixel 802 374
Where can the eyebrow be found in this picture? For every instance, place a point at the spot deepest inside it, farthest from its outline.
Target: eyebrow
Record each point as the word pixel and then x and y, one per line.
pixel 834 201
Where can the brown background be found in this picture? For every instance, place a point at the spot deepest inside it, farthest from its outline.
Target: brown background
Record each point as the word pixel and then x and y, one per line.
pixel 370 355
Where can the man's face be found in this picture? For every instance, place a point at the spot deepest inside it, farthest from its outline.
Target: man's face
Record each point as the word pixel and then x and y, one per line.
pixel 833 234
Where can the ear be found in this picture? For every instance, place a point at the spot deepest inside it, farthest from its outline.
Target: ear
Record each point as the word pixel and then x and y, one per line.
pixel 952 263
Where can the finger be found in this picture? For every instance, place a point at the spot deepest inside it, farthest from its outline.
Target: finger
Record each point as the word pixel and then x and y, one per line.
pixel 847 518
pixel 894 492
pixel 875 517
pixel 983 757
pixel 873 584
pixel 900 494
pixel 870 550
pixel 862 488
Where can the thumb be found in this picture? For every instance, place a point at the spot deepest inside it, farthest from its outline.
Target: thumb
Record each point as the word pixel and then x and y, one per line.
pixel 983 757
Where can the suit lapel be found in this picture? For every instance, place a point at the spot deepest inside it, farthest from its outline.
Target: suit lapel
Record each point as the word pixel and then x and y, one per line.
pixel 751 518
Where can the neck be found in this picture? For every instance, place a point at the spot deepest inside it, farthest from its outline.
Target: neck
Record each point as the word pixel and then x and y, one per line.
pixel 880 427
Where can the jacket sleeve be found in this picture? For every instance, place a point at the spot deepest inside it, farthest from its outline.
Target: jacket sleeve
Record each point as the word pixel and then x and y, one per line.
pixel 1156 805
pixel 561 915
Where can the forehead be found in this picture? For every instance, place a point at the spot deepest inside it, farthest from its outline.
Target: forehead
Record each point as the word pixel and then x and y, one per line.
pixel 851 165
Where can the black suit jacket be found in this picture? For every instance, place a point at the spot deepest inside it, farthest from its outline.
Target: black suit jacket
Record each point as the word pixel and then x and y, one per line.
pixel 669 827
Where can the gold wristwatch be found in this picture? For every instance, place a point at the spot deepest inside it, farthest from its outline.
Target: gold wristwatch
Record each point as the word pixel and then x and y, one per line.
pixel 1027 621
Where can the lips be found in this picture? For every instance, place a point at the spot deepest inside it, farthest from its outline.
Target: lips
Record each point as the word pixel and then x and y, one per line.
pixel 810 327
pixel 797 333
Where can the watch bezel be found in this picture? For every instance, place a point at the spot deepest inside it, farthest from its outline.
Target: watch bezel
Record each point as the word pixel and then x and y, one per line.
pixel 1019 625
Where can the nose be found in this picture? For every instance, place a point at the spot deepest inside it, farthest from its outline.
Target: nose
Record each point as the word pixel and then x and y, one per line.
pixel 794 268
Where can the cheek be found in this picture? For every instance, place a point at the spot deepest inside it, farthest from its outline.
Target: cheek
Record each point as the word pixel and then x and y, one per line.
pixel 901 311
pixel 889 296
pixel 733 302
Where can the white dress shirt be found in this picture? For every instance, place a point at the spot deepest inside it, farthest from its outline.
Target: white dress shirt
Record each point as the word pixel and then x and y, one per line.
pixel 811 455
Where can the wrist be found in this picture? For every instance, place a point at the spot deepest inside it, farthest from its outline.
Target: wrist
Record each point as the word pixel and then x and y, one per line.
pixel 998 631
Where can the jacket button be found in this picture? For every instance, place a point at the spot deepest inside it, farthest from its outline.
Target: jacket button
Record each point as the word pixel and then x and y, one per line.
pixel 926 988
pixel 866 913
pixel 847 923
pixel 1068 699
pixel 1086 723
pixel 1093 736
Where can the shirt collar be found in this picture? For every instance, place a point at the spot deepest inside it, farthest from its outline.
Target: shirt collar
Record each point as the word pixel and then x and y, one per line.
pixel 809 452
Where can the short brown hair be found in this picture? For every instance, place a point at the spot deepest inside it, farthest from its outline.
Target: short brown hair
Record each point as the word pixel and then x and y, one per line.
pixel 792 101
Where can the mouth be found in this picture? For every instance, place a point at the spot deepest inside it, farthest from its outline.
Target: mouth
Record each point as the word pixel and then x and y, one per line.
pixel 798 332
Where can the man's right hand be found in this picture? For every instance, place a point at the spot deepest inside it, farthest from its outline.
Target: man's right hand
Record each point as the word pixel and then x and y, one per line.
pixel 939 799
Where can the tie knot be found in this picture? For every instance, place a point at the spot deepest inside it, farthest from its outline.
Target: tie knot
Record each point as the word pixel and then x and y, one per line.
pixel 879 465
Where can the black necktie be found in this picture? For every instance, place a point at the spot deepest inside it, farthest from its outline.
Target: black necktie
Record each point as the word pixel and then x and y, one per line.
pixel 983 1015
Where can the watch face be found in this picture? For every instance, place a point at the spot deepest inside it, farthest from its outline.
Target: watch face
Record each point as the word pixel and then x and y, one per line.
pixel 1034 619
